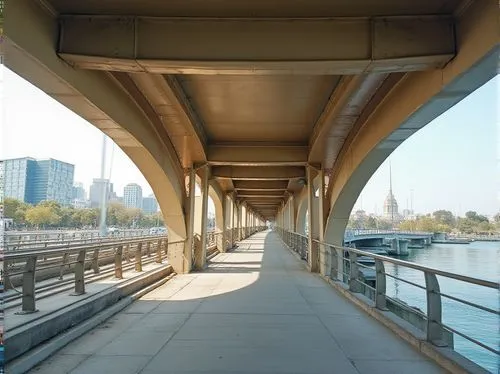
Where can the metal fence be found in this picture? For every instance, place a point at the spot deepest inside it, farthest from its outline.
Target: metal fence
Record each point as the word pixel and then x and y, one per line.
pixel 343 264
pixel 77 258
pixel 27 263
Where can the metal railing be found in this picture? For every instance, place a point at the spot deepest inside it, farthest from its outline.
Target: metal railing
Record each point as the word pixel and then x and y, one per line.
pixel 77 258
pixel 343 264
pixel 27 266
pixel 359 232
pixel 25 237
pixel 57 242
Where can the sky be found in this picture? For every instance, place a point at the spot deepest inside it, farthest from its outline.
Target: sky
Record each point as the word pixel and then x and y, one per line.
pixel 452 163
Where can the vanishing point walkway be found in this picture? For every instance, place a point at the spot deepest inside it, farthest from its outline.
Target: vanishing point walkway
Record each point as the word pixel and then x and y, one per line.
pixel 254 310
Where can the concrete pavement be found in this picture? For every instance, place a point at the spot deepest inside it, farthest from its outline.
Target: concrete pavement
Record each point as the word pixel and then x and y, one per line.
pixel 254 310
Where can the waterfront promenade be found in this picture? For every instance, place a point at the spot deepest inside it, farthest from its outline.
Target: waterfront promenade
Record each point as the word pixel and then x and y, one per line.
pixel 254 310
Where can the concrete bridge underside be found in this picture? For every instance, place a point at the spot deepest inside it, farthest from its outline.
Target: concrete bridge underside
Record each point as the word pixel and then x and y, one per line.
pixel 263 103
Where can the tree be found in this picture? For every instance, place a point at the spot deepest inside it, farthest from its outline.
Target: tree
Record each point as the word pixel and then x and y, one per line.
pixel 444 216
pixel 42 215
pixel 67 217
pixel 16 210
pixel 475 217
pixel 89 217
pixel 371 223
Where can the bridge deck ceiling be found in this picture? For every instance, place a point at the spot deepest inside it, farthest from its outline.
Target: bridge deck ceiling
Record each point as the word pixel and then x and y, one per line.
pixel 258 98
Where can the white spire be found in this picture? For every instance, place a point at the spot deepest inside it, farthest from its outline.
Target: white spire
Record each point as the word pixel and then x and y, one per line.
pixel 390 178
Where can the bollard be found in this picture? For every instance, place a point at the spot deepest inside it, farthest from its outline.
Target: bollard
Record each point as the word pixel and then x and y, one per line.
pixel 158 252
pixel 380 300
pixel 138 257
pixel 28 303
pixel 118 262
pixel 434 328
pixel 79 274
pixel 95 261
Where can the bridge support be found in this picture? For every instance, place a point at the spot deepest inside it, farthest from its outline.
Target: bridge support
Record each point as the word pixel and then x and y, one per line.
pixel 201 215
pixel 312 220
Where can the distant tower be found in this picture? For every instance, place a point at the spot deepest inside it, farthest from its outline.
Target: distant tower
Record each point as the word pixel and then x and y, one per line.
pixel 390 203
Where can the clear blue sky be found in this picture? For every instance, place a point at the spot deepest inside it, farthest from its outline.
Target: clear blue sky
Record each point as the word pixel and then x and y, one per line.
pixel 453 163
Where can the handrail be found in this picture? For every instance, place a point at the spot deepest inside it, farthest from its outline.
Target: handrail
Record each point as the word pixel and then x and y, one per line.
pixel 346 269
pixel 128 248
pixel 355 232
pixel 96 241
pixel 123 249
pixel 45 251
pixel 412 265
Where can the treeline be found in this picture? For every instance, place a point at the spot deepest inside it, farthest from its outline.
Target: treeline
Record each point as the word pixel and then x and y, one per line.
pixel 439 221
pixel 50 214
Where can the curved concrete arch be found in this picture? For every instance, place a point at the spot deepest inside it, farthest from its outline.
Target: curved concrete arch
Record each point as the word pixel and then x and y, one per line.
pixel 96 97
pixel 390 124
pixel 302 208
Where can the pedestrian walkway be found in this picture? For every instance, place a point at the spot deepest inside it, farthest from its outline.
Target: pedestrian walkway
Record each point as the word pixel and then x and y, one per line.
pixel 254 310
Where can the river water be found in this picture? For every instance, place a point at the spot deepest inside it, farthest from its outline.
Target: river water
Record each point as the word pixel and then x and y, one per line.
pixel 477 259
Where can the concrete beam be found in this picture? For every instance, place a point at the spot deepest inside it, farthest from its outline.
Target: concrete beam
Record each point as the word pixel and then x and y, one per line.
pixel 264 194
pixel 258 173
pixel 261 185
pixel 250 155
pixel 339 46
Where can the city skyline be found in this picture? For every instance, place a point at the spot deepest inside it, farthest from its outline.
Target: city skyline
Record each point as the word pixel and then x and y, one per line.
pixel 453 163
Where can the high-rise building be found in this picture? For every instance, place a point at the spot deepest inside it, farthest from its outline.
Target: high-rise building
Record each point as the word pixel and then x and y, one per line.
pixel 96 191
pixel 1 182
pixel 53 180
pixel 33 181
pixel 17 174
pixel 132 196
pixel 79 191
pixel 149 204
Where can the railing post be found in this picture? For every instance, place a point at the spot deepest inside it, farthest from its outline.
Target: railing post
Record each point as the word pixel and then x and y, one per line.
pixel 95 261
pixel 28 305
pixel 333 262
pixel 138 257
pixel 380 300
pixel 127 255
pixel 148 249
pixel 80 274
pixel 118 262
pixel 354 285
pixel 64 261
pixel 434 328
pixel 158 252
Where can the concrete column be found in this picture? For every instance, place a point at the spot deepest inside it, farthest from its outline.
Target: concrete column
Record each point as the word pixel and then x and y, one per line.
pixel 324 257
pixel 221 238
pixel 201 250
pixel 313 255
pixel 235 221
pixel 180 254
pixel 191 217
pixel 239 213
pixel 228 230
